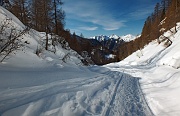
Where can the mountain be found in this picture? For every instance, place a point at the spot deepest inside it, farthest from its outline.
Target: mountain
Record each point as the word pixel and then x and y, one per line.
pixel 91 49
pixel 128 38
pixel 114 36
pixel 113 41
pixel 100 38
pixel 125 38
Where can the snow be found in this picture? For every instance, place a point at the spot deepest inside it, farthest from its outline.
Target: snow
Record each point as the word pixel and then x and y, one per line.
pixel 145 83
pixel 4 13
pixel 69 91
pixel 126 38
pixel 110 56
pixel 100 38
pixel 159 70
pixel 114 36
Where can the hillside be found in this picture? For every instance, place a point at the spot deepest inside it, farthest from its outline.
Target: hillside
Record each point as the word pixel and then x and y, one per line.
pixel 159 70
pixel 27 49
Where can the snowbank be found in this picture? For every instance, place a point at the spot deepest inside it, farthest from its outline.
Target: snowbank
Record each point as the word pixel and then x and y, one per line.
pixel 159 68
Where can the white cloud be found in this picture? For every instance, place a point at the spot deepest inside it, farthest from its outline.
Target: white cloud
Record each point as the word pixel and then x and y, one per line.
pixel 112 24
pixel 88 28
pixel 92 12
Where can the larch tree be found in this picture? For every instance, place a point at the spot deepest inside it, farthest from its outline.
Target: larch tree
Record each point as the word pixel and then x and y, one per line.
pixel 177 12
pixel 20 9
pixel 5 3
pixel 46 19
pixel 58 16
pixel 41 17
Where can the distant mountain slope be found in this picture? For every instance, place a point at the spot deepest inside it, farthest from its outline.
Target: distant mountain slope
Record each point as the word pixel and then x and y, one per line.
pixel 113 42
pixel 128 38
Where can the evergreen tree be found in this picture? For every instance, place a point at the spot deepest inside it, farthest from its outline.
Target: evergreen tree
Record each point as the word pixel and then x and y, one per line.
pixel 81 35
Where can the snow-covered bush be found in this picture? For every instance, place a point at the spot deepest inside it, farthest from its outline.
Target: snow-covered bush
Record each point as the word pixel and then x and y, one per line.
pixel 86 58
pixel 9 37
pixel 39 50
pixel 66 57
pixel 139 53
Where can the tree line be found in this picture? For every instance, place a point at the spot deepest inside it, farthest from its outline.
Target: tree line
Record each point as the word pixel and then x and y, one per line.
pixel 165 16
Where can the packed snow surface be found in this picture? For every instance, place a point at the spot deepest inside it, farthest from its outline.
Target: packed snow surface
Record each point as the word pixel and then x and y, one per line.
pixel 144 84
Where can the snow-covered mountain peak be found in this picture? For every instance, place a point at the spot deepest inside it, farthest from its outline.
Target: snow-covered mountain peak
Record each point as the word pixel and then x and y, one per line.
pixel 100 37
pixel 113 36
pixel 128 37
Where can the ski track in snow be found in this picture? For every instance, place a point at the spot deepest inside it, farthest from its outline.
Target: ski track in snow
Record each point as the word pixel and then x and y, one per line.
pixel 106 94
pixel 111 100
pixel 128 99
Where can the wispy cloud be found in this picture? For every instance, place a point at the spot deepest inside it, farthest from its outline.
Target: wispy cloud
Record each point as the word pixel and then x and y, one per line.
pixel 114 25
pixel 88 28
pixel 92 12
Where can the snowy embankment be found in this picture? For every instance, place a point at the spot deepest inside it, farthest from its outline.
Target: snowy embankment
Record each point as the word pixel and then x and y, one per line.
pixel 159 68
pixel 49 84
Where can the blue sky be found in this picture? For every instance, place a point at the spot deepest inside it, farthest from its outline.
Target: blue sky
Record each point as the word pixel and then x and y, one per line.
pixel 107 17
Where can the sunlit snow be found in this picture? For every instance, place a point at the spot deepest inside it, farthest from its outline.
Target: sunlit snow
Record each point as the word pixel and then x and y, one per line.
pixel 145 83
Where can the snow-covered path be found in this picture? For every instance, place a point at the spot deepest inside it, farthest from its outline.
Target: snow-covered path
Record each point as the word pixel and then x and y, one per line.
pixel 159 69
pixel 128 99
pixel 93 91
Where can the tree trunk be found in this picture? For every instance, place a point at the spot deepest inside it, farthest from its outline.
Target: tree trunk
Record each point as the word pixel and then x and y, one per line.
pixel 46 41
pixel 55 16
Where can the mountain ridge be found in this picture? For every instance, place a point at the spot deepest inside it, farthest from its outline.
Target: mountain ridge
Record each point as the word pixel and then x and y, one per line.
pixel 126 38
